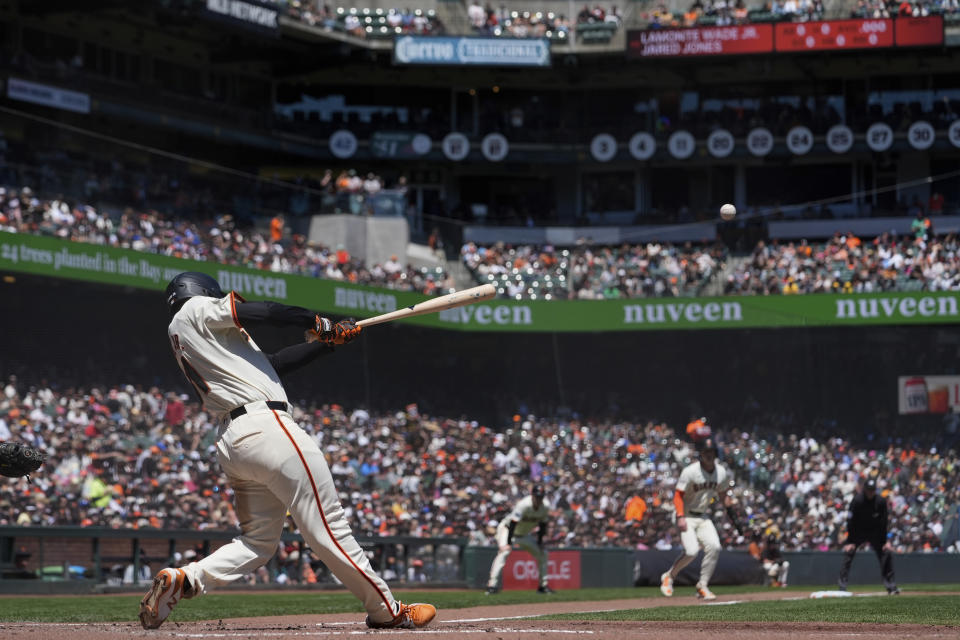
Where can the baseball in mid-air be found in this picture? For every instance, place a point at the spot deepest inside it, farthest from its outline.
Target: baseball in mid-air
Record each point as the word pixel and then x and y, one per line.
pixel 727 211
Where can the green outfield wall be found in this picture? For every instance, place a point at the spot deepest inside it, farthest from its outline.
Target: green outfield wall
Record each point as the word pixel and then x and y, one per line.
pixel 54 257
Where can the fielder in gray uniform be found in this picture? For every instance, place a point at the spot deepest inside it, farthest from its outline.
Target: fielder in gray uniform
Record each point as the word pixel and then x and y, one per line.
pixel 531 511
pixel 273 465
pixel 700 484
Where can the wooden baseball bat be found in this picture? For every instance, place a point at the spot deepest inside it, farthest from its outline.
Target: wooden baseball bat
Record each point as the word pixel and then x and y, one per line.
pixel 449 301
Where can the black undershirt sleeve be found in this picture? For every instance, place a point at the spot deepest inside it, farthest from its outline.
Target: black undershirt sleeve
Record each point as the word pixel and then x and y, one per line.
pixel 510 527
pixel 275 314
pixel 299 355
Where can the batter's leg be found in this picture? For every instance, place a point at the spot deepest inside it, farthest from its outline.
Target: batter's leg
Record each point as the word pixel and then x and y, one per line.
pixel 500 561
pixel 707 536
pixel 261 521
pixel 784 570
pixel 303 481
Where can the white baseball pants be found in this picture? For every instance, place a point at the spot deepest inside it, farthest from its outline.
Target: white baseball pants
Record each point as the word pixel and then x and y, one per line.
pixel 528 543
pixel 777 571
pixel 700 532
pixel 274 465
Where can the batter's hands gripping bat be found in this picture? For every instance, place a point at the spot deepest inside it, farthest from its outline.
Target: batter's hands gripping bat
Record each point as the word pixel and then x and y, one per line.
pixel 449 301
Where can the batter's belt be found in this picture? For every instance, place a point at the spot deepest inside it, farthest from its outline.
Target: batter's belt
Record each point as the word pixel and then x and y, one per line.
pixel 276 405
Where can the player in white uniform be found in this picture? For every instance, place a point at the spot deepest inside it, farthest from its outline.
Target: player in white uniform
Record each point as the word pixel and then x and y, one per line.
pixel 529 512
pixel 700 484
pixel 273 465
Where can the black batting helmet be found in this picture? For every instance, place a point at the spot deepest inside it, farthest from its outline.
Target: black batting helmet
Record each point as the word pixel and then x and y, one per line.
pixel 188 285
pixel 537 491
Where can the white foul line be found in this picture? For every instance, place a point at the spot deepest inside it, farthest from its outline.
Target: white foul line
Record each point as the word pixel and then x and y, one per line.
pixel 262 634
pixel 524 617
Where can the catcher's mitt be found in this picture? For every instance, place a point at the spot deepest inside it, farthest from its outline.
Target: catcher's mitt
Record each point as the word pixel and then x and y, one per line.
pixel 18 459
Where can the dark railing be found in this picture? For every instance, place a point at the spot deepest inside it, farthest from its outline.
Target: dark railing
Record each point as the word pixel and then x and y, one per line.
pixel 50 553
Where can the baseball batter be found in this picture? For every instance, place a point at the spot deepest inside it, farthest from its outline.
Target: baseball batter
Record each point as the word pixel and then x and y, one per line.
pixel 530 512
pixel 700 484
pixel 273 465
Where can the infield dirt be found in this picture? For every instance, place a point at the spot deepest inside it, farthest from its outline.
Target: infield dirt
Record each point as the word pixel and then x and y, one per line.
pixel 500 622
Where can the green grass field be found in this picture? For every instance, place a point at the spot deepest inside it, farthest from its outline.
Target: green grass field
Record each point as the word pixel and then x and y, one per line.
pixel 932 609
pixel 938 610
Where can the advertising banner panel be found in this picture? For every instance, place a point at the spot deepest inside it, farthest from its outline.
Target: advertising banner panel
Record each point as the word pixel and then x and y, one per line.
pixel 57 258
pixel 563 571
pixel 248 13
pixel 512 52
pixel 48 96
pixel 929 394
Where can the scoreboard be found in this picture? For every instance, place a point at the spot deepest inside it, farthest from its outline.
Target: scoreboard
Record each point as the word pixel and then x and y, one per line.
pixel 786 37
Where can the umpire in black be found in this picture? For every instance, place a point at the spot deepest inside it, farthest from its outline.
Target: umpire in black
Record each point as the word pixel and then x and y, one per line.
pixel 867 522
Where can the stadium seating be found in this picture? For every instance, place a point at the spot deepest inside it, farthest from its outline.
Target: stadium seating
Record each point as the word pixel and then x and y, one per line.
pixel 384 23
pixel 109 445
pixel 220 239
pixel 847 265
pixel 843 264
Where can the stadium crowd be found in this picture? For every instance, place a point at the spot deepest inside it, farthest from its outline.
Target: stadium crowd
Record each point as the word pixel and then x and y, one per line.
pixel 219 239
pixel 365 22
pixel 903 8
pixel 847 264
pixel 594 272
pixel 133 457
pixel 843 264
pixel 644 270
pixel 179 190
pixel 723 13
pixel 485 20
pixel 735 12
